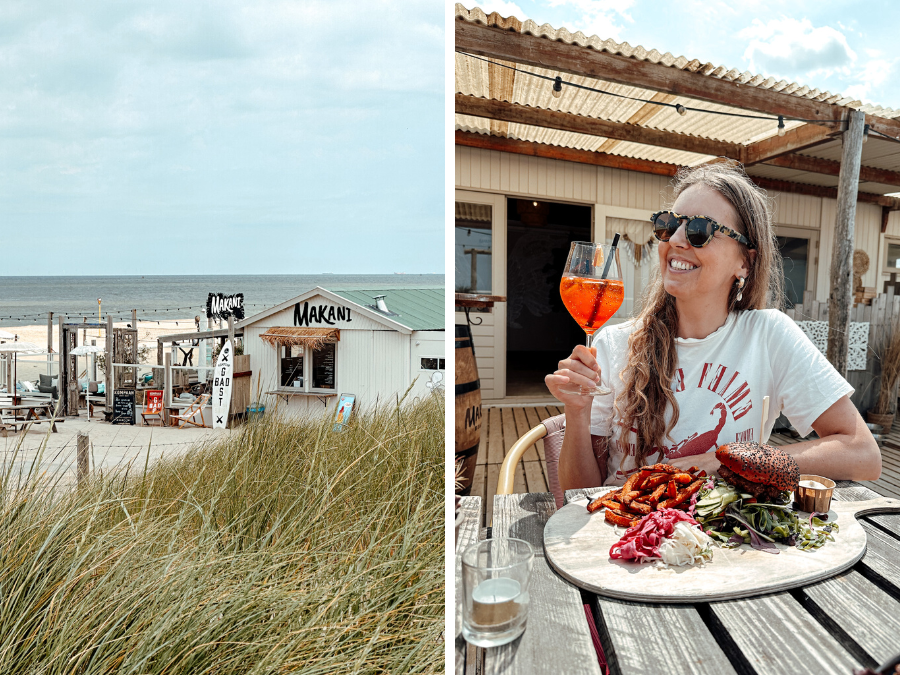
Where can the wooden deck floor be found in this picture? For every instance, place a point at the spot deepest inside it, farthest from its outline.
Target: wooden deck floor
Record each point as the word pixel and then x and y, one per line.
pixel 501 427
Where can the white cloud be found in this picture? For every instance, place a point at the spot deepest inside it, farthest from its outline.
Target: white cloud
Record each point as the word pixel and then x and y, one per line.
pixel 598 17
pixel 502 8
pixel 794 49
pixel 873 74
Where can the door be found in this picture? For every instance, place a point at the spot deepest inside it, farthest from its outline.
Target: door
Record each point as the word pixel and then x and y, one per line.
pixel 480 266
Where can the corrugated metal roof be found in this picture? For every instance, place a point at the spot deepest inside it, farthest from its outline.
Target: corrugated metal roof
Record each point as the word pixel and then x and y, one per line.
pixel 529 27
pixel 416 308
pixel 480 79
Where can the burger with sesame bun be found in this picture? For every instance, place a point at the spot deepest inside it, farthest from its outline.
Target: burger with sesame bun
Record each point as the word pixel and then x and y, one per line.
pixel 764 471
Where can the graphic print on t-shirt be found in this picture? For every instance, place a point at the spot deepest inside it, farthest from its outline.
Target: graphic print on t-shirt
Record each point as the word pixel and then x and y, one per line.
pixel 724 394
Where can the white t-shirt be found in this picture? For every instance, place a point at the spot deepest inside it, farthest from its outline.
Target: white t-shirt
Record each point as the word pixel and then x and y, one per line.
pixel 719 386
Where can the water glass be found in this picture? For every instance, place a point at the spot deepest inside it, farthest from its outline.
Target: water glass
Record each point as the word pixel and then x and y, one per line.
pixel 495 576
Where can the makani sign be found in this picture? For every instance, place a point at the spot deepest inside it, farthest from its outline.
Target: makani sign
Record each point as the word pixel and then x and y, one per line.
pixel 221 392
pixel 220 306
pixel 319 315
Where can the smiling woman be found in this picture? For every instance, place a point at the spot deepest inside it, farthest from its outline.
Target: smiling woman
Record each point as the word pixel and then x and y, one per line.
pixel 690 372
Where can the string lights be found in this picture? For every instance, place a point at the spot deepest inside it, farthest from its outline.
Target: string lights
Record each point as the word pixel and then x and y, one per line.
pixel 558 82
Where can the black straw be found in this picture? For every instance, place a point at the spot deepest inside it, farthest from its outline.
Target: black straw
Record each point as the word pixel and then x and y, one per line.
pixel 609 259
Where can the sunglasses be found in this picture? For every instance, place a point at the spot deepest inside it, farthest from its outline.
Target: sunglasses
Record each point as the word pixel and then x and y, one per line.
pixel 698 229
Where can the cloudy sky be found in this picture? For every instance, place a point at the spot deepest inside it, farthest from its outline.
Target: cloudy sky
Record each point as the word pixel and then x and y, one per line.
pixel 253 137
pixel 839 46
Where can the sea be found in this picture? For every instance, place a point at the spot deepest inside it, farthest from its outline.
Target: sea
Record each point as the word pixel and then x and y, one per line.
pixel 26 300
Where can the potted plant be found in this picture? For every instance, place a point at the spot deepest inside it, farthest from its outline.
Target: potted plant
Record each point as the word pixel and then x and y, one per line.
pixel 886 404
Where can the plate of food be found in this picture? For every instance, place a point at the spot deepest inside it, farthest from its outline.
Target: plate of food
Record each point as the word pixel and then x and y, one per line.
pixel 674 536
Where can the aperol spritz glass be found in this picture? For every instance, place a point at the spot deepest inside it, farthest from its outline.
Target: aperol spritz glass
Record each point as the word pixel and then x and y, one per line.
pixel 592 291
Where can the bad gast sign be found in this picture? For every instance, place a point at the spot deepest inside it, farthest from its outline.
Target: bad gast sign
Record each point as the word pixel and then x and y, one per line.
pixel 221 390
pixel 220 306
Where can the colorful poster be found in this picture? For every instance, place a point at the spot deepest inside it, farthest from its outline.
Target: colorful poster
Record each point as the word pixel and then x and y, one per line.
pixel 221 390
pixel 344 410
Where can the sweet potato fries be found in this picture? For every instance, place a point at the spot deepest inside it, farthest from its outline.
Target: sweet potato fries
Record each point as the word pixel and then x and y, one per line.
pixel 661 486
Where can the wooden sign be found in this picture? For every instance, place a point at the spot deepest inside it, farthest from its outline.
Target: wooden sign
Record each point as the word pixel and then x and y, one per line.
pixel 123 406
pixel 220 306
pixel 221 391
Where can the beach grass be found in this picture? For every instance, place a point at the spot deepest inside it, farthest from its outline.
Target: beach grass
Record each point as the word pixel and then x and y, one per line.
pixel 287 547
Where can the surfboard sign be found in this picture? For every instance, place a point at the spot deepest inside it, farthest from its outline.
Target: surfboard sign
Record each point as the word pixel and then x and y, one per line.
pixel 221 391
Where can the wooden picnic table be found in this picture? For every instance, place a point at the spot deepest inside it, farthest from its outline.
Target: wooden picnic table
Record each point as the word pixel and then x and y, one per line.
pixel 27 412
pixel 849 621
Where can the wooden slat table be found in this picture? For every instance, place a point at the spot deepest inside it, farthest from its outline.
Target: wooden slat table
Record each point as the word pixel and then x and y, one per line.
pixel 847 622
pixel 28 412
pixel 466 655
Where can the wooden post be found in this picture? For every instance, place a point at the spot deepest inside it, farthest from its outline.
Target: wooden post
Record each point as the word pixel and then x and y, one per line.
pixel 231 333
pixel 61 372
pixel 841 296
pixel 134 318
pixel 50 343
pixel 167 390
pixel 83 463
pixel 109 368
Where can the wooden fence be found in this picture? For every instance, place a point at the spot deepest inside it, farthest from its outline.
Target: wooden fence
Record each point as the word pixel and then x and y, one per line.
pixel 882 315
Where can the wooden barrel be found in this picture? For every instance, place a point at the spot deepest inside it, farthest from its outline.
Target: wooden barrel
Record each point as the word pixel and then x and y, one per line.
pixel 468 407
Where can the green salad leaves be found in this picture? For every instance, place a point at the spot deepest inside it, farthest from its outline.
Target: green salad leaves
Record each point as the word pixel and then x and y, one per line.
pixel 734 518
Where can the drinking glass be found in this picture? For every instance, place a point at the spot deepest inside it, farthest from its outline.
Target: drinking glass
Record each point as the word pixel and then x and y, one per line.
pixel 592 291
pixel 495 576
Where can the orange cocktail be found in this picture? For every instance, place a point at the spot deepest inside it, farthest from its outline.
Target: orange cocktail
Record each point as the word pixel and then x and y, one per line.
pixel 591 301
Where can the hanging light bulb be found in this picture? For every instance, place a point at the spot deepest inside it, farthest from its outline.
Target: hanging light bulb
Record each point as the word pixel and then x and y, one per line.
pixel 557 87
pixel 781 125
pixel 680 109
pixel 865 133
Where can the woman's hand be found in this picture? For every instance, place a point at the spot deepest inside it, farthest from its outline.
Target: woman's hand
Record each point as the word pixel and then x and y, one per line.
pixel 580 369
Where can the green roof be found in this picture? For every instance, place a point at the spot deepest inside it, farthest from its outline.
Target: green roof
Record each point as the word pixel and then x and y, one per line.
pixel 419 308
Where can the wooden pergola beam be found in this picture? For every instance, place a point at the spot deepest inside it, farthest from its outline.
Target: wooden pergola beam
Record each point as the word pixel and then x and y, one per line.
pixel 563 121
pixel 832 168
pixel 493 42
pixel 798 138
pixel 485 142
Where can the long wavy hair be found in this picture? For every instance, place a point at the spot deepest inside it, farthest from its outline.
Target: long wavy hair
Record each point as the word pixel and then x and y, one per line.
pixel 652 357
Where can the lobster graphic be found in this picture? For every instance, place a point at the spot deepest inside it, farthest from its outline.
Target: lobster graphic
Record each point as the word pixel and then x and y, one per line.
pixel 698 444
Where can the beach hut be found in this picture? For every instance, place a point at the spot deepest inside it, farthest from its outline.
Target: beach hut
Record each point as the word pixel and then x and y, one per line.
pixel 373 343
pixel 562 137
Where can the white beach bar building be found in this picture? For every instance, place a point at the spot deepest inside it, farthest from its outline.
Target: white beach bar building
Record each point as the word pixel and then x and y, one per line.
pixel 372 343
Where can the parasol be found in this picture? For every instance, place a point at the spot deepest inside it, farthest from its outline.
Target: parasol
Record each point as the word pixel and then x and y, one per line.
pixel 18 348
pixel 84 350
pixel 6 336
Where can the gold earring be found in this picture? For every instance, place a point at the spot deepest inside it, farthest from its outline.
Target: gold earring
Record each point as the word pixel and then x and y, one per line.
pixel 740 286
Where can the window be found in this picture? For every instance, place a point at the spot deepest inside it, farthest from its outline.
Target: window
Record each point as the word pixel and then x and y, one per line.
pixel 473 248
pixel 795 254
pixel 892 259
pixel 432 363
pixel 305 369
pixel 292 366
pixel 323 368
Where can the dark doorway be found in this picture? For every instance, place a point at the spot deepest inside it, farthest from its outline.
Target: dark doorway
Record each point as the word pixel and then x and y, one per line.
pixel 539 330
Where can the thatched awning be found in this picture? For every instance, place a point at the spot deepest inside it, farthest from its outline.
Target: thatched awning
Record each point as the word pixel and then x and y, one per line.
pixel 309 337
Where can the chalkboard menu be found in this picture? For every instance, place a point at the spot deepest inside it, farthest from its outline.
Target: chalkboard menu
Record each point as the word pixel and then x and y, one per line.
pixel 323 367
pixel 123 406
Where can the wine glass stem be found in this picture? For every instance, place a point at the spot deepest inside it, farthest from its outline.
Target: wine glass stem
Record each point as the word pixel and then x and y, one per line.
pixel 590 337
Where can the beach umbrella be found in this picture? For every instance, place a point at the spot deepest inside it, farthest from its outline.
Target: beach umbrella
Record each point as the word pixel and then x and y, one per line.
pixel 84 350
pixel 18 348
pixel 6 336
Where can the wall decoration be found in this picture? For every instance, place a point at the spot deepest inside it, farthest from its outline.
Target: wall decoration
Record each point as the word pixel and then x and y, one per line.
pixel 817 332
